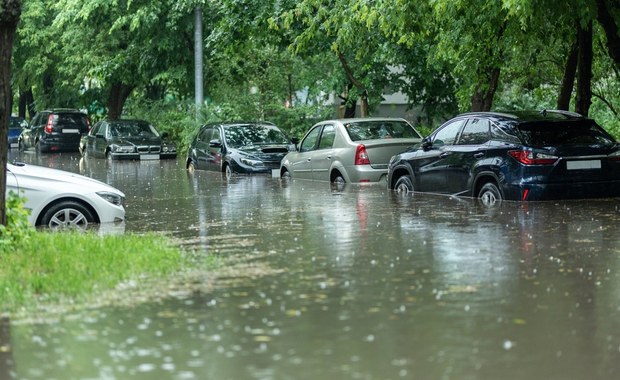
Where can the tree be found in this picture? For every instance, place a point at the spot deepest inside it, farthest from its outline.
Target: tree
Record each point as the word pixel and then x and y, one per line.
pixel 10 11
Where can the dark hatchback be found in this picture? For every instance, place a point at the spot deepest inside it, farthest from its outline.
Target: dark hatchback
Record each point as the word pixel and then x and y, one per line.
pixel 55 130
pixel 126 140
pixel 238 147
pixel 523 156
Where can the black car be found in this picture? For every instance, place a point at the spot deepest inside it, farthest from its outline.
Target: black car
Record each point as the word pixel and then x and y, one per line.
pixel 55 130
pixel 238 147
pixel 16 125
pixel 126 140
pixel 523 156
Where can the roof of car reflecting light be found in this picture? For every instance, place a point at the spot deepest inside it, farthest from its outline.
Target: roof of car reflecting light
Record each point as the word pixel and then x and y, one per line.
pixel 525 116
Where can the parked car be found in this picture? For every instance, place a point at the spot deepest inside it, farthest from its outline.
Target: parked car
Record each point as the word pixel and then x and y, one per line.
pixel 126 139
pixel 349 150
pixel 238 147
pixel 59 199
pixel 16 125
pixel 55 130
pixel 521 156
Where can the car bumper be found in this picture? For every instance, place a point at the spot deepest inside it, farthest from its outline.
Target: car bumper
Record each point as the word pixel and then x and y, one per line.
pixel 365 173
pixel 142 156
pixel 579 190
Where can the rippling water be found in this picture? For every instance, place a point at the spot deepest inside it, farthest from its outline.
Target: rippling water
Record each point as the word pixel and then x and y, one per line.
pixel 354 283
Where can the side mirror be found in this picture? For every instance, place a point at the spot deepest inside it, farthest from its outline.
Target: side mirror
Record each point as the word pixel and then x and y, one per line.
pixel 295 140
pixel 427 144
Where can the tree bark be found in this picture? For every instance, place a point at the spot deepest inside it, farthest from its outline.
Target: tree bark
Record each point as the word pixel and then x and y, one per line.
pixel 355 82
pixel 119 92
pixel 25 107
pixel 583 99
pixel 9 17
pixel 568 80
pixel 606 19
pixel 482 99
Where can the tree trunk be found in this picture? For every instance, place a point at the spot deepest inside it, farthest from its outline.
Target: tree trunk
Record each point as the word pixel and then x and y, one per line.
pixel 568 80
pixel 10 11
pixel 119 93
pixel 26 104
pixel 482 99
pixel 583 99
pixel 606 19
pixel 198 62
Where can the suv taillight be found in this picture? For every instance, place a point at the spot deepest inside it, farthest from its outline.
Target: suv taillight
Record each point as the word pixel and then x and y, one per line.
pixel 530 158
pixel 361 157
pixel 49 127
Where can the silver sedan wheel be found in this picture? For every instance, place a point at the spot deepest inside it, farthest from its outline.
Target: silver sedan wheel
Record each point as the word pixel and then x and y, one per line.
pixel 68 218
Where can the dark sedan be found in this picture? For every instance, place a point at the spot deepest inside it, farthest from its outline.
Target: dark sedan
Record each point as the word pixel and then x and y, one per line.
pixel 126 140
pixel 523 156
pixel 238 147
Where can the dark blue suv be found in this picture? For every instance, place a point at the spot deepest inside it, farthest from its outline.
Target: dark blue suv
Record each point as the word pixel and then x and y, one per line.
pixel 522 156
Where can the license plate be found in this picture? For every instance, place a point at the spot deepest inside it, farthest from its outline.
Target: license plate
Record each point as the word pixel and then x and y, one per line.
pixel 14 145
pixel 69 130
pixel 580 165
pixel 149 156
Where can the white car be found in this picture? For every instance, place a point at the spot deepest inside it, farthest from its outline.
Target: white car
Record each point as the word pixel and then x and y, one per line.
pixel 61 199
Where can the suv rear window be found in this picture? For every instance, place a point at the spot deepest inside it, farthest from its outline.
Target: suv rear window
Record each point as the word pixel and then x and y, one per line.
pixel 579 132
pixel 71 118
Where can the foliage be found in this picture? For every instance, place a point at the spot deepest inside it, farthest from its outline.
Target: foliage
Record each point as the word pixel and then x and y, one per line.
pixel 17 229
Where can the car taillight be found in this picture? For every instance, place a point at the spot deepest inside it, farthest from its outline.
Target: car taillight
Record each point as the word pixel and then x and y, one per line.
pixel 615 156
pixel 530 158
pixel 49 127
pixel 361 157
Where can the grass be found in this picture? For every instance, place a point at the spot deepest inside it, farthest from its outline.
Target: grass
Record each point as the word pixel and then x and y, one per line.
pixel 48 268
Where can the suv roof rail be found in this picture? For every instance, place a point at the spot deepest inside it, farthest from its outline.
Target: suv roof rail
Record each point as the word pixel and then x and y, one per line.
pixel 544 112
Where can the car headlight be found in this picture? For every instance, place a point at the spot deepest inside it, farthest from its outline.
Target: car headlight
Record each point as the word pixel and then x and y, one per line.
pixel 123 149
pixel 113 198
pixel 168 148
pixel 250 162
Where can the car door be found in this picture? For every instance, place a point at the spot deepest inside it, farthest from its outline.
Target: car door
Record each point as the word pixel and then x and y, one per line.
pixel 431 163
pixel 301 162
pixel 213 158
pixel 466 154
pixel 322 157
pixel 201 147
pixel 89 140
pixel 28 135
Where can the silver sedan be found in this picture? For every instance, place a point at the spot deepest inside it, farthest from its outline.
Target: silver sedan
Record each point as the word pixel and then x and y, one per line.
pixel 349 150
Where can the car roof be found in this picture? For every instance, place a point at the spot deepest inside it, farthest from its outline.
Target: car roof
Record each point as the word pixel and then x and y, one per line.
pixel 527 115
pixel 238 123
pixel 362 119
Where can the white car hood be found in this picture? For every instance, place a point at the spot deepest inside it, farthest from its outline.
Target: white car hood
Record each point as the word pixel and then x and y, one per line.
pixel 60 177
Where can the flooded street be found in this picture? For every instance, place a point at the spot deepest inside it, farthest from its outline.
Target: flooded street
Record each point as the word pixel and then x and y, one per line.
pixel 356 283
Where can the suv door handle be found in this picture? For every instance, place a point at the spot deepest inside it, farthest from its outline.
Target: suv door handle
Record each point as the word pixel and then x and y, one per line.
pixel 444 155
pixel 478 155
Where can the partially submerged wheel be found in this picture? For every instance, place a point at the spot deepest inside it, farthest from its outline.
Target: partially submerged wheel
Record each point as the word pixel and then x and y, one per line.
pixel 67 215
pixel 490 195
pixel 285 175
pixel 191 167
pixel 404 185
pixel 228 171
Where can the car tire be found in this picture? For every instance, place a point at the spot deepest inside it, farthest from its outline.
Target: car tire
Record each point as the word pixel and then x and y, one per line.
pixel 490 195
pixel 191 168
pixel 228 172
pixel 285 175
pixel 67 215
pixel 404 185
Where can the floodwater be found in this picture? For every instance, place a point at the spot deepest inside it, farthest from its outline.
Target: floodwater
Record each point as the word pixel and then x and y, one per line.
pixel 356 283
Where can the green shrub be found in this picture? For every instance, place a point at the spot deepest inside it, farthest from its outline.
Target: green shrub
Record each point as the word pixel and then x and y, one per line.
pixel 17 228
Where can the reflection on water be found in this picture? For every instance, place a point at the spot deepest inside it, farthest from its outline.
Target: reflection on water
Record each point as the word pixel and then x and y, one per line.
pixel 363 284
